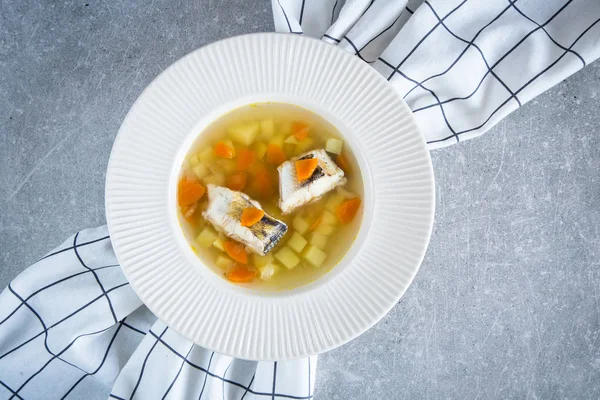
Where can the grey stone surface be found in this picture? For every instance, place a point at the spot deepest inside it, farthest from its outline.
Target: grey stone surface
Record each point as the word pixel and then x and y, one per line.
pixel 506 304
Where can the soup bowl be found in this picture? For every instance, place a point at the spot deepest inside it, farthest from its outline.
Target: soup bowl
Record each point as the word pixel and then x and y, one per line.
pixel 156 256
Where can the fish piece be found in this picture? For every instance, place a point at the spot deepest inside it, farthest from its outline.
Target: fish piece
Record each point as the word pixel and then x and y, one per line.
pixel 326 177
pixel 224 212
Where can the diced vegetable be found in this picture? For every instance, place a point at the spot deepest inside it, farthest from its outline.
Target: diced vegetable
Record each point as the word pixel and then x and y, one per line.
pixel 291 140
pixel 224 150
pixel 305 168
pixel 305 145
pixel 245 159
pixel 207 155
pixel 219 242
pixel 325 229
pixel 316 224
pixel 193 160
pixel 287 257
pixel 285 128
pixel 334 145
pixel 229 166
pixel 300 224
pixel 334 200
pixel 342 162
pixel 216 179
pixel 260 149
pixel 244 133
pixel 297 242
pixel 207 237
pixel 237 181
pixel 240 274
pixel 236 250
pixel 314 256
pixel 347 210
pixel 275 154
pixel 268 270
pixel 261 261
pixel 267 128
pixel 300 130
pixel 319 240
pixel 224 262
pixel 189 192
pixel 261 186
pixel 251 216
pixel 201 170
pixel 277 140
pixel 329 218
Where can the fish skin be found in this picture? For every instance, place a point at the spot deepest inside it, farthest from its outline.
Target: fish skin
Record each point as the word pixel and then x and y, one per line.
pixel 224 212
pixel 326 177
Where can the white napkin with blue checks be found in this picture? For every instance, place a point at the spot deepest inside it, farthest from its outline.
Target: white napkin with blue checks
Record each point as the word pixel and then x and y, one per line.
pixel 72 328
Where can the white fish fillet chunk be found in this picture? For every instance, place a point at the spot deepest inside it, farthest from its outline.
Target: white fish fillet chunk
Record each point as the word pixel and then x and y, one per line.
pixel 294 194
pixel 224 212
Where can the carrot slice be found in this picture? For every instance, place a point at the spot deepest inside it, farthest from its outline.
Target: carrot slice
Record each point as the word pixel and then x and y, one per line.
pixel 251 216
pixel 300 130
pixel 275 154
pixel 236 251
pixel 237 181
pixel 240 274
pixel 189 192
pixel 347 210
pixel 224 150
pixel 245 159
pixel 262 186
pixel 316 224
pixel 305 168
pixel 342 162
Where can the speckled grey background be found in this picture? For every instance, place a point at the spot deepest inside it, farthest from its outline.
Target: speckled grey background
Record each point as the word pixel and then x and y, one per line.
pixel 506 304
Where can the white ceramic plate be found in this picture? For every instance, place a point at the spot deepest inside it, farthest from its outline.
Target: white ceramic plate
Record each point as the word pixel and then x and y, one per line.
pixel 142 212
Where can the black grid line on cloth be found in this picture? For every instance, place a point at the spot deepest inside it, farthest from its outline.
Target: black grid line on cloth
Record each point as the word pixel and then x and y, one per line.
pixel 62 320
pixel 53 284
pixel 526 84
pixel 178 373
pixel 495 64
pixel 137 384
pixel 112 310
pixel 333 12
pixel 71 247
pixel 115 397
pixel 119 326
pixel 206 375
pixel 225 377
pixel 409 10
pixel 356 50
pixel 512 3
pixel 10 390
pixel 133 328
pixel 513 95
pixel 380 33
pixel 250 385
pixel 396 69
pixel 461 54
pixel 212 374
pixel 430 91
pixel 330 37
pixel 274 379
pixel 287 19
pixel 301 12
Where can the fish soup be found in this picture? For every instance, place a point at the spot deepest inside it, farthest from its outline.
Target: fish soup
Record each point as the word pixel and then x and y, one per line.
pixel 270 196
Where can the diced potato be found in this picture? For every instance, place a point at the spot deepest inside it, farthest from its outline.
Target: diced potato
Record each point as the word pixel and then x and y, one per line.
pixel 325 229
pixel 244 133
pixel 314 256
pixel 277 140
pixel 297 242
pixel 207 155
pixel 328 218
pixel 268 270
pixel 334 146
pixel 291 140
pixel 216 179
pixel 287 257
pixel 334 200
pixel 224 262
pixel 285 128
pixel 206 237
pixel 260 149
pixel 300 224
pixel 193 160
pixel 304 145
pixel 261 261
pixel 319 240
pixel 219 243
pixel 267 128
pixel 201 170
pixel 228 165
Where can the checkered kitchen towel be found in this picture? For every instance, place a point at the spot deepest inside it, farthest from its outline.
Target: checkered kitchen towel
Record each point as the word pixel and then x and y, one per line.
pixel 461 65
pixel 70 325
